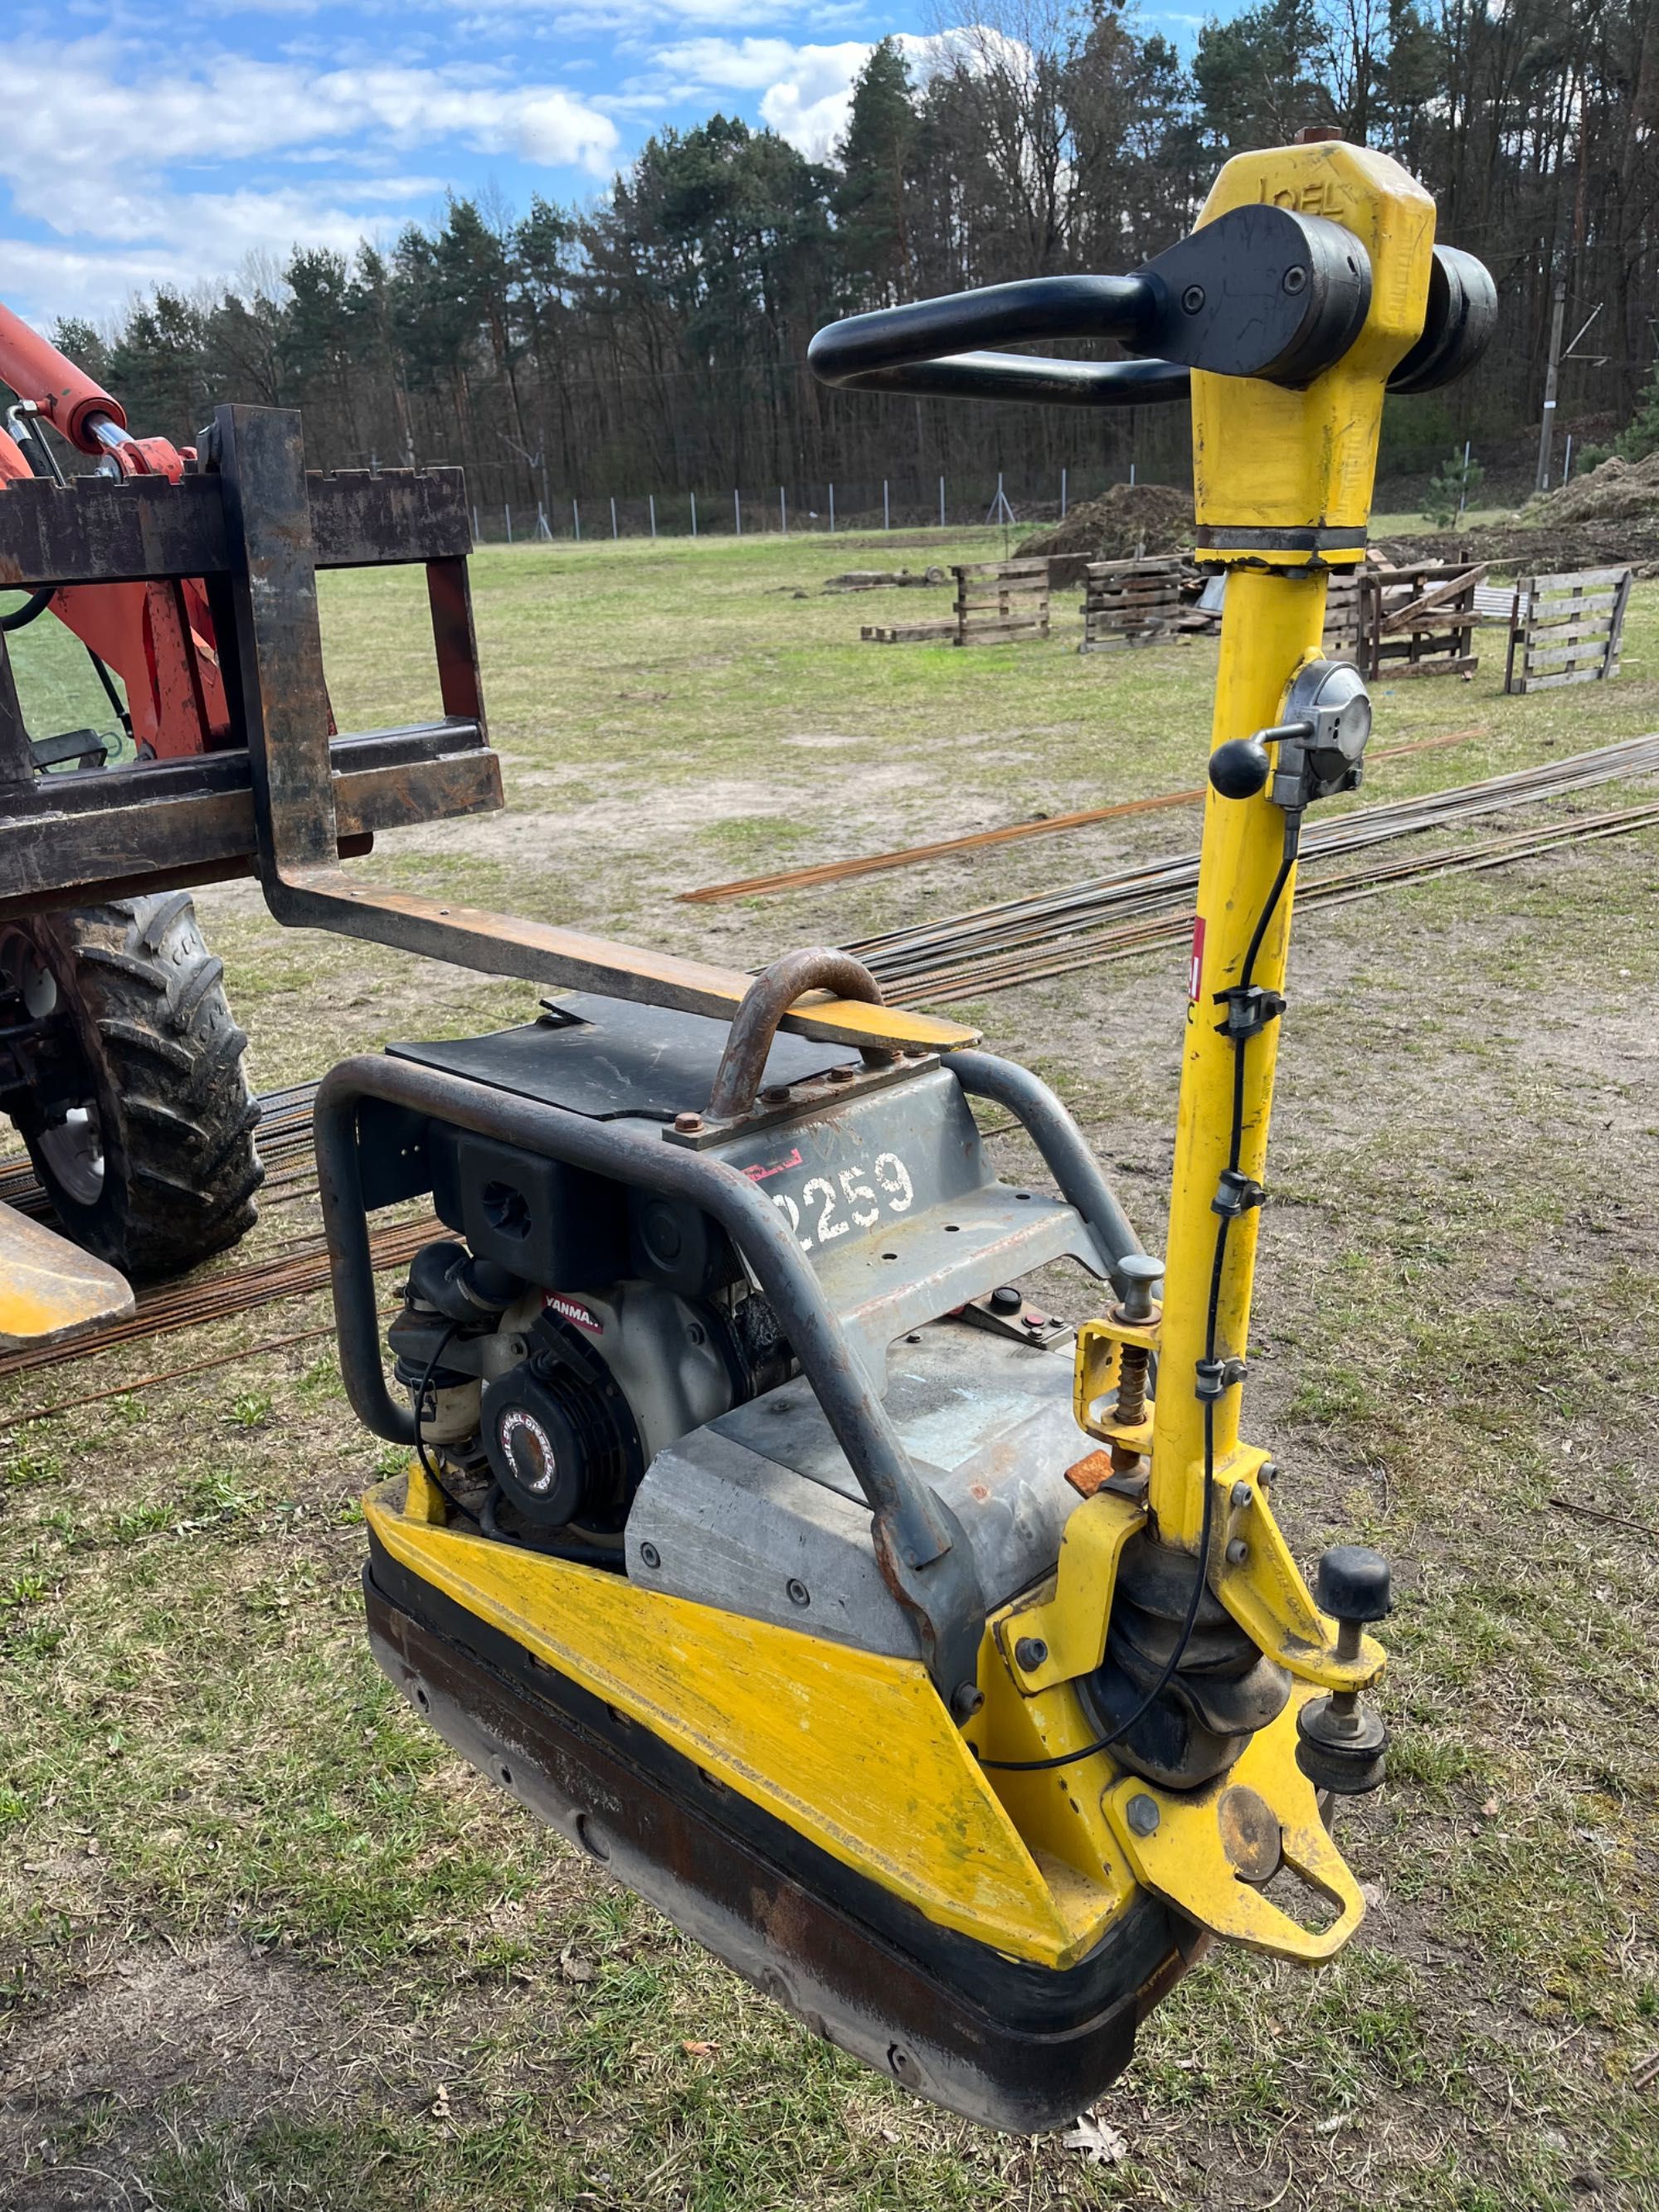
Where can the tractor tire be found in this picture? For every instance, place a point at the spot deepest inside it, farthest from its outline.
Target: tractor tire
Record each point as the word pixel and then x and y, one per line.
pixel 157 1167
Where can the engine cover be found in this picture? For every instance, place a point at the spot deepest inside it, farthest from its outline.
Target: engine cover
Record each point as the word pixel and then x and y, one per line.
pixel 724 1516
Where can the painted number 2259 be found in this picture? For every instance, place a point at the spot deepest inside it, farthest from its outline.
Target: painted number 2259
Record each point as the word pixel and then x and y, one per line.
pixel 856 1199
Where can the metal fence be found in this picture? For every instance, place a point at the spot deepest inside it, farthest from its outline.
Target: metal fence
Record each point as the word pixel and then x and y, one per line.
pixel 889 504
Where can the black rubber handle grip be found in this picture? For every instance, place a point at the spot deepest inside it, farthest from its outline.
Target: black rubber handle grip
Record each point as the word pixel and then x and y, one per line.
pixel 1259 292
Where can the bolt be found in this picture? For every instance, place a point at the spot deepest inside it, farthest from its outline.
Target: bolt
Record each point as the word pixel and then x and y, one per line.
pixel 966 1700
pixel 1267 1474
pixel 797 1591
pixel 1029 1653
pixel 1192 299
pixel 650 1556
pixel 688 1124
pixel 1296 280
pixel 1242 1495
pixel 776 1094
pixel 1142 1814
pixel 917 1051
pixel 842 1074
pixel 1237 1551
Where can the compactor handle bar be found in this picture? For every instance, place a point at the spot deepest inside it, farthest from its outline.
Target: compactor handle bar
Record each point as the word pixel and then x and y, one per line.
pixel 1259 292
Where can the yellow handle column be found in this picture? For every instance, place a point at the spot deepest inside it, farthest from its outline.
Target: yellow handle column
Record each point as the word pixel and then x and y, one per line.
pixel 1271 623
pixel 1283 483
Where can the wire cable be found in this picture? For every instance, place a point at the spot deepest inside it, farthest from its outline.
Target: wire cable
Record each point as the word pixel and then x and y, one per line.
pixel 1235 1145
pixel 421 1453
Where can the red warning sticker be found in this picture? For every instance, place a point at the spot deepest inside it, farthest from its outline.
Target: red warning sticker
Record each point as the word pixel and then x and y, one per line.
pixel 1195 973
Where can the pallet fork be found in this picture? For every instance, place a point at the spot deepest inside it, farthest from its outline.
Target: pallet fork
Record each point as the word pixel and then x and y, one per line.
pixel 948 1676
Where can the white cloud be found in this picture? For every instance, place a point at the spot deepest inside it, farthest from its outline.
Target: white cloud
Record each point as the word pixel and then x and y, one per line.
pixel 94 150
pixel 806 91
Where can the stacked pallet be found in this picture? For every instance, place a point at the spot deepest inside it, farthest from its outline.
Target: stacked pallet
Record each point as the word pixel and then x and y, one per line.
pixel 1566 629
pixel 1131 603
pixel 996 602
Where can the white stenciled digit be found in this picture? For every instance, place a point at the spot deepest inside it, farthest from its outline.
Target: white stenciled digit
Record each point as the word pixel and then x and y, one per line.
pixel 785 1203
pixel 852 1190
pixel 826 1229
pixel 894 1177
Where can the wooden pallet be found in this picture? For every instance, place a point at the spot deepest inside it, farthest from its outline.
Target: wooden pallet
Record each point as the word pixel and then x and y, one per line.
pixel 1419 620
pixel 1567 629
pixel 940 632
pixel 1131 603
pixel 996 603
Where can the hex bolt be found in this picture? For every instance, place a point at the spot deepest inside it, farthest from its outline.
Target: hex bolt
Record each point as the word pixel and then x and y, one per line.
pixel 1192 299
pixel 1296 280
pixel 1030 1653
pixel 1142 1814
pixel 842 1074
pixel 776 1094
pixel 797 1591
pixel 917 1051
pixel 688 1124
pixel 650 1556
pixel 1237 1551
pixel 1242 1496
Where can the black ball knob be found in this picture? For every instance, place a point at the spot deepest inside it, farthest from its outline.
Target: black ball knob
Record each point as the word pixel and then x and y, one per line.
pixel 1239 768
pixel 1353 1584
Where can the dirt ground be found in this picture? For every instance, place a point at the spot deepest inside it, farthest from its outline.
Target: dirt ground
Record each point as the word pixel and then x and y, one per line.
pixel 264 1944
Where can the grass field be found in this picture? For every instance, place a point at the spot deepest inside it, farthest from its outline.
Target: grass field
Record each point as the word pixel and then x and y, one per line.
pixel 264 1944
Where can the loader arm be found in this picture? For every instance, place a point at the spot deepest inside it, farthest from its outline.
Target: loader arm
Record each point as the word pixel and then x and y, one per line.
pixel 157 636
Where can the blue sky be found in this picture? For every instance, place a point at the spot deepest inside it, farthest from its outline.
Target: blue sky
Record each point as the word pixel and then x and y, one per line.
pixel 142 144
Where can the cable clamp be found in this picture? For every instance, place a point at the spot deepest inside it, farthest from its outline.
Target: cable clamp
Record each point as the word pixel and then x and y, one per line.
pixel 1217 1377
pixel 1235 1195
pixel 1250 1007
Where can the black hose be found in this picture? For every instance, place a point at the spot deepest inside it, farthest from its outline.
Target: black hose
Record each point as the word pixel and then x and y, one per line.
pixel 31 611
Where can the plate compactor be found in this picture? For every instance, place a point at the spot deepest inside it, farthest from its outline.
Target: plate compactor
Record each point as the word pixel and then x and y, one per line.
pixel 943 1670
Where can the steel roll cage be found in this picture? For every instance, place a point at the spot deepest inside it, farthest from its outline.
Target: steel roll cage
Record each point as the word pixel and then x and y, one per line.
pixel 920 1546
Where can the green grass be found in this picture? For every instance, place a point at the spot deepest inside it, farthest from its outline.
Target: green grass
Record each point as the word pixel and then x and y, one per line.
pixel 264 1943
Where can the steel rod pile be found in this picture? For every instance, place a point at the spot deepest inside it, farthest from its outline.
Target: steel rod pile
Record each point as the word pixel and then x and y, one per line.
pixel 1110 917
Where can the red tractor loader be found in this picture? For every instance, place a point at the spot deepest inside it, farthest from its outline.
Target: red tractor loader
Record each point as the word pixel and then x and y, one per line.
pixel 120 1062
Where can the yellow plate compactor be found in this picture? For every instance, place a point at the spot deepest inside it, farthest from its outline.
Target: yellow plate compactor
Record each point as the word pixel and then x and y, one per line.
pixel 944 1672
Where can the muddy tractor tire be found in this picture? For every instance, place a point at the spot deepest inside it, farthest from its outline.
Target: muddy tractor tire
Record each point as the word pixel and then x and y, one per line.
pixel 154 1165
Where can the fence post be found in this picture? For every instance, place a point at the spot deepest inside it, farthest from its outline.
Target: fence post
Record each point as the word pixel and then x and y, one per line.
pixel 1062 495
pixel 832 510
pixel 694 514
pixel 507 511
pixel 651 496
pixel 615 532
pixel 737 510
pixel 941 503
pixel 1566 464
pixel 544 529
pixel 477 534
pixel 886 512
pixel 576 521
pixel 783 513
pixel 1132 472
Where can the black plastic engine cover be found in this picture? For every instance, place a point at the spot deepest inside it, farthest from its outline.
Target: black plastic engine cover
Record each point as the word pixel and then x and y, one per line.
pixel 607 1057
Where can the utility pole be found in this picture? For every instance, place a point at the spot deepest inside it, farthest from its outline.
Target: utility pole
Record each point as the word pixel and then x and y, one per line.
pixel 1547 432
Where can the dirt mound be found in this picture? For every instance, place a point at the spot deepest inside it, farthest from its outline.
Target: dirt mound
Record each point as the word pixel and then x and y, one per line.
pixel 1618 491
pixel 1131 520
pixel 1518 548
